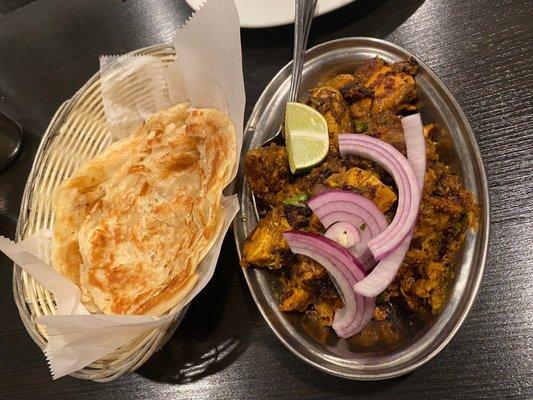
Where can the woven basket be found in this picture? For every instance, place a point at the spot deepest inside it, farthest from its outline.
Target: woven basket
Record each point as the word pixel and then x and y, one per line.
pixel 77 132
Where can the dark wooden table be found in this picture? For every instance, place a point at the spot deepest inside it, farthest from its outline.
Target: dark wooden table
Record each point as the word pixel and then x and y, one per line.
pixel 483 51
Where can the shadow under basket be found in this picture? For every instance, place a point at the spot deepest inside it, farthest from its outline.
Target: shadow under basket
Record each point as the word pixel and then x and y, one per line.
pixel 78 132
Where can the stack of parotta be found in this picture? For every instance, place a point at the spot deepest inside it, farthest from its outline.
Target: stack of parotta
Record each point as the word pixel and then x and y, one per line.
pixel 132 224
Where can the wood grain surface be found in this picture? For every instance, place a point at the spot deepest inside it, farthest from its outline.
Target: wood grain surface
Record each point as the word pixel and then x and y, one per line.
pixel 482 50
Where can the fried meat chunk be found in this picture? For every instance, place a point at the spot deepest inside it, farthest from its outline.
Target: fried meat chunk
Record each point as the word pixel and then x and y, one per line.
pixel 367 184
pixel 307 184
pixel 339 81
pixel 309 285
pixel 447 210
pixel 387 126
pixel 329 102
pixel 266 246
pixel 379 86
pixel 325 309
pixel 267 170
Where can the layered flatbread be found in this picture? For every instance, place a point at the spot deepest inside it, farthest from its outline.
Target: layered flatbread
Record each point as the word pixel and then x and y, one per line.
pixel 133 224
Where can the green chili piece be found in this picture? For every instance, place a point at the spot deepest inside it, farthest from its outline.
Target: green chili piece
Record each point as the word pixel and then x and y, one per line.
pixel 360 126
pixel 381 298
pixel 299 200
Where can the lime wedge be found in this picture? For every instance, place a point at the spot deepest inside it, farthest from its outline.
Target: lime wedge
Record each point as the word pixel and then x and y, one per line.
pixel 306 137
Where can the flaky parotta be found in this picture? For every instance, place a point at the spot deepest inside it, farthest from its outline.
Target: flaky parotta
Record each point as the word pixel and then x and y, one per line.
pixel 132 224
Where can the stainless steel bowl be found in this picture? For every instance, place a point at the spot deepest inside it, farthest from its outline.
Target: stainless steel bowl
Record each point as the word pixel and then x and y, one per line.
pixel 458 147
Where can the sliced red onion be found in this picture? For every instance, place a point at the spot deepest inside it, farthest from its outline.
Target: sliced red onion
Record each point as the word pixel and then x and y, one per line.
pixel 383 274
pixel 358 144
pixel 401 170
pixel 342 205
pixel 364 255
pixel 408 190
pixel 345 271
pixel 413 131
pixel 353 219
pixel 343 233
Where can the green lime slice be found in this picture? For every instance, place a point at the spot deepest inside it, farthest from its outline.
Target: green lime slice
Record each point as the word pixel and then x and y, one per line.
pixel 306 137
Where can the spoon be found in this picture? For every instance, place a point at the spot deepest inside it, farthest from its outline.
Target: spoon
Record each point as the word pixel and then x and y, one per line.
pixel 304 13
pixel 10 140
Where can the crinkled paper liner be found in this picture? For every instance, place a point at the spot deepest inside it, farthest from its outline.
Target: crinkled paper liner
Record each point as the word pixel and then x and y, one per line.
pixel 207 72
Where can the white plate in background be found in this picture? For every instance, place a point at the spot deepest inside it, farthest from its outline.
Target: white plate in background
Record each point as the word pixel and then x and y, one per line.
pixel 268 13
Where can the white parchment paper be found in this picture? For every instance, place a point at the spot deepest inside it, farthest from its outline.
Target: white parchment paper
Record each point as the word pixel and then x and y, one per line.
pixel 207 73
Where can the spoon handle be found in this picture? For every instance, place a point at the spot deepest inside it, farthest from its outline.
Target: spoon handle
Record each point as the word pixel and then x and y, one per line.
pixel 304 13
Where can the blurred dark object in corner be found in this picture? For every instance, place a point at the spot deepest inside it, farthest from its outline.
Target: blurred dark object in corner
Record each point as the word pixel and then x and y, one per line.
pixel 10 140
pixel 7 6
